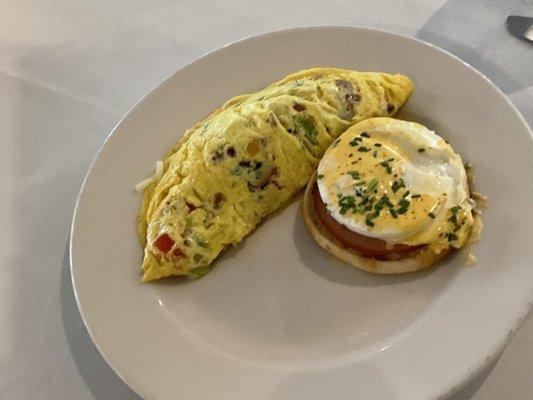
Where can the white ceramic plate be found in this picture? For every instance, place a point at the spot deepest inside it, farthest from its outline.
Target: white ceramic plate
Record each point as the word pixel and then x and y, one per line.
pixel 278 318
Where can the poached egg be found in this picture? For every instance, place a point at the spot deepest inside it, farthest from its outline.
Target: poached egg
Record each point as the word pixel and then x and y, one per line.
pixel 399 182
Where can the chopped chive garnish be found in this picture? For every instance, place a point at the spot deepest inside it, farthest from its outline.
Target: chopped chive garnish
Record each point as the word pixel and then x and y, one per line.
pixel 354 174
pixel 319 176
pixel 393 212
pixel 377 144
pixel 376 213
pixel 346 203
pixel 397 185
pixel 454 210
pixel 386 165
pixel 431 215
pixel 416 196
pixel 451 236
pixel 375 153
pixel 372 184
pixel 407 193
pixel 355 141
pixel 421 150
pixel 363 149
pixel 382 202
pixel 404 205
pixel 369 218
pixel 364 134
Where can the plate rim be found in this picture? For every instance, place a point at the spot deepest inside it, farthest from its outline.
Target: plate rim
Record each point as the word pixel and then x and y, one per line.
pixel 453 387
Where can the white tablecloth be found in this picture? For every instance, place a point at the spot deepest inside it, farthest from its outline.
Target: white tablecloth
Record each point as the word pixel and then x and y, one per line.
pixel 69 70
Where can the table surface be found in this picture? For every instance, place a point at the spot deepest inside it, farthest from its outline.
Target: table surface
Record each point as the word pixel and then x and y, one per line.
pixel 70 70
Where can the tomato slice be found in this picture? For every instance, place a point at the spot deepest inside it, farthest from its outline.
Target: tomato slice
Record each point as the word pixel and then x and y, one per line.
pixel 364 245
pixel 190 206
pixel 178 253
pixel 164 243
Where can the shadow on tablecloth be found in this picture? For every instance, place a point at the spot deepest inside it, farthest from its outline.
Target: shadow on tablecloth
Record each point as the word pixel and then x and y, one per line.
pixel 475 31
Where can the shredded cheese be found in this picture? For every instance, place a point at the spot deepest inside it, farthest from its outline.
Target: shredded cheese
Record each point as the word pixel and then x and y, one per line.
pixel 144 184
pixel 158 174
pixel 159 169
pixel 471 258
pixel 480 203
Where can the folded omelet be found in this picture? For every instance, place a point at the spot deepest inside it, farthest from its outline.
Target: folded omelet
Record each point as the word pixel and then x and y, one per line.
pixel 248 159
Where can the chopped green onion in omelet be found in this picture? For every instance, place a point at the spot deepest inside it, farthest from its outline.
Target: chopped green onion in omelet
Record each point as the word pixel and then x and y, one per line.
pixel 248 159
